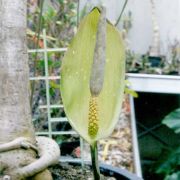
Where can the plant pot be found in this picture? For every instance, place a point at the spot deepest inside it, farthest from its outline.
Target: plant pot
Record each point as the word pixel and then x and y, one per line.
pixel 155 61
pixel 118 173
pixel 106 170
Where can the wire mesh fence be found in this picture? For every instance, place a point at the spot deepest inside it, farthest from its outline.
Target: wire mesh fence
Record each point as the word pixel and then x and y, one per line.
pixel 47 105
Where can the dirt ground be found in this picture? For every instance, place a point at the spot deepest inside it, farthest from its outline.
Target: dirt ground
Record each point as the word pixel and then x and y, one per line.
pixel 64 171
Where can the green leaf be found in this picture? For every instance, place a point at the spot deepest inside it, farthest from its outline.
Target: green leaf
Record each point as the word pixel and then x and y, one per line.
pixel 169 162
pixel 174 176
pixel 54 85
pixel 75 79
pixel 131 92
pixel 172 120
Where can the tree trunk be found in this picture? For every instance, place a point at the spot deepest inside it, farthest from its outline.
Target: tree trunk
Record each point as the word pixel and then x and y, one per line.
pixel 17 136
pixel 15 118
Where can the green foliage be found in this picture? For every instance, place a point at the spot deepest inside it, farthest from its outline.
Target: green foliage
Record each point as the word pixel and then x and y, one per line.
pixel 59 18
pixel 169 163
pixel 60 139
pixel 172 120
pixel 137 63
pixel 173 58
pixel 173 176
pixel 129 91
pixel 142 64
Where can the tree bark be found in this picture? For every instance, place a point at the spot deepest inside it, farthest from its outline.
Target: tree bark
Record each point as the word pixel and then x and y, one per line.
pixel 17 136
pixel 15 116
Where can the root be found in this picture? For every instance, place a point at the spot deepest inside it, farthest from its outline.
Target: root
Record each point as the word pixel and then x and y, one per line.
pixel 49 154
pixel 44 175
pixel 48 151
pixel 20 142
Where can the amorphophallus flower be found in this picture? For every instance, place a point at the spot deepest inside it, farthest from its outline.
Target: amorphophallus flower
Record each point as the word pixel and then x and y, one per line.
pixel 92 80
pixel 92 77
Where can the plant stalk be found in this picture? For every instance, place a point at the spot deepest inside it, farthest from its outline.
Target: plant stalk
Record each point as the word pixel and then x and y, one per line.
pixel 125 3
pixel 37 34
pixel 94 159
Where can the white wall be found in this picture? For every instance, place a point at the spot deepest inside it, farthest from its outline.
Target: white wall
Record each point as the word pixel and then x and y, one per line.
pixel 140 35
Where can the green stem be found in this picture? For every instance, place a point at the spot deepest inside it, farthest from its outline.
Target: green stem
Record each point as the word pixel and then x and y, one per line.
pixel 37 34
pixel 125 3
pixel 78 13
pixel 94 158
